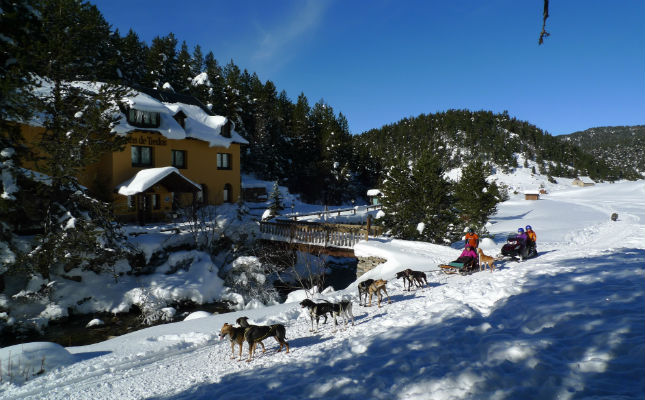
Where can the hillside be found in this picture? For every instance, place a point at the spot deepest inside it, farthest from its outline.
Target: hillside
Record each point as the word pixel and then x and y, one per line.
pixel 567 324
pixel 460 136
pixel 622 147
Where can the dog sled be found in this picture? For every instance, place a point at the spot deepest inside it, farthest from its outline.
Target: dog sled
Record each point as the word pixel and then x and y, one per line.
pixel 455 267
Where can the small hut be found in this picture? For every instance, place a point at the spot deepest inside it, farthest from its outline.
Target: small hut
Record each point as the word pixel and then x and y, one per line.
pixel 583 181
pixel 374 197
pixel 531 195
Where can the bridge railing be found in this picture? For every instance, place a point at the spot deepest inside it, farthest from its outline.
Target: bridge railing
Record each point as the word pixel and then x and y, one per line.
pixel 319 234
pixel 331 213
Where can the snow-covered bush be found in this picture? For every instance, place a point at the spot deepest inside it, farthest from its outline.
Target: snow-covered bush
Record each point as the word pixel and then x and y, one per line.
pixel 153 308
pixel 247 277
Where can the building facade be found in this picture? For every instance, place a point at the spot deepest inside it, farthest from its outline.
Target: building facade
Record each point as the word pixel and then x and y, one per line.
pixel 177 154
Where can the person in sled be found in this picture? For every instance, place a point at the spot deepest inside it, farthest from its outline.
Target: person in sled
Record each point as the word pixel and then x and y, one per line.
pixel 522 239
pixel 468 257
pixel 472 239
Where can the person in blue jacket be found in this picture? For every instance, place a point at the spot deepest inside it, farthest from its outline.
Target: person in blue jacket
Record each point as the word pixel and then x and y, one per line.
pixel 522 239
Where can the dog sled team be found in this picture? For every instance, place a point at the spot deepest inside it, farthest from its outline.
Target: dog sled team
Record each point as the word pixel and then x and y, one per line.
pixel 523 245
pixel 520 246
pixel 255 334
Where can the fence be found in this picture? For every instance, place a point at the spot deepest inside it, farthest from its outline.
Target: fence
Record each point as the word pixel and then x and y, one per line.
pixel 330 213
pixel 319 234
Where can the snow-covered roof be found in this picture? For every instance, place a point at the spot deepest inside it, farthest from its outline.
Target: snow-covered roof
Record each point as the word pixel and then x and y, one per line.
pixel 374 192
pixel 532 192
pixel 586 179
pixel 199 123
pixel 147 178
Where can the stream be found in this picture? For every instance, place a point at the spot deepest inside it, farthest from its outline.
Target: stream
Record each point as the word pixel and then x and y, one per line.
pixel 73 330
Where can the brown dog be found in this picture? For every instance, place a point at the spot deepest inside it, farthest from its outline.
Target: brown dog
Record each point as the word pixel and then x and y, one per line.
pixel 377 287
pixel 255 334
pixel 236 335
pixel 486 260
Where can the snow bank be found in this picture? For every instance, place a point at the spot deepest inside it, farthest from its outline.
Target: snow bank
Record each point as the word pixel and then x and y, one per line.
pixel 23 362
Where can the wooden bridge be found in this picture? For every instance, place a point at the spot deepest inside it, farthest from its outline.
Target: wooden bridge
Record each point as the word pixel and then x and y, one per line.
pixel 333 239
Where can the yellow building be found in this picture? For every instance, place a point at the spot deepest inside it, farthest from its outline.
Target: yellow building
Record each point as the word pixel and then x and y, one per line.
pixel 177 153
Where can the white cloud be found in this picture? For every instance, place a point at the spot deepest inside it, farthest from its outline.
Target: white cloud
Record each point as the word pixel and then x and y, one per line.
pixel 275 43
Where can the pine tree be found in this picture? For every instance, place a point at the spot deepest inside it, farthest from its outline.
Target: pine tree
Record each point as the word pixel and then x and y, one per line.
pixel 233 97
pixel 275 200
pixel 476 199
pixel 197 64
pixel 132 52
pixel 75 35
pixel 19 24
pixel 161 62
pixel 302 151
pixel 216 96
pixel 417 201
pixel 185 72
pixel 77 230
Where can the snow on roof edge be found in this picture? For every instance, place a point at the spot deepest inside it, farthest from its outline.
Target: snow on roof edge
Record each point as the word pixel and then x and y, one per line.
pixel 146 178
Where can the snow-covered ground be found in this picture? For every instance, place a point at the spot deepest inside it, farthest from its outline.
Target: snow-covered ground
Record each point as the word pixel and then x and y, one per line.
pixel 567 324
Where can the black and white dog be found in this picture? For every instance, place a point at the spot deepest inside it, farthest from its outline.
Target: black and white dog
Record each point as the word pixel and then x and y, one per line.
pixel 363 289
pixel 317 310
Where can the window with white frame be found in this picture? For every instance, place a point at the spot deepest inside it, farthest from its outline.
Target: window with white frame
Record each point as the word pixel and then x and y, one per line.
pixel 143 119
pixel 179 158
pixel 141 156
pixel 224 161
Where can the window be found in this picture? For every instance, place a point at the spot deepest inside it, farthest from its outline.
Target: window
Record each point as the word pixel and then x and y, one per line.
pixel 179 158
pixel 228 193
pixel 141 156
pixel 180 117
pixel 143 119
pixel 223 161
pixel 156 201
pixel 132 204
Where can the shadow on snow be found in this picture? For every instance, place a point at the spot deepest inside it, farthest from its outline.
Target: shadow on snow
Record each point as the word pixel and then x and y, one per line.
pixel 575 334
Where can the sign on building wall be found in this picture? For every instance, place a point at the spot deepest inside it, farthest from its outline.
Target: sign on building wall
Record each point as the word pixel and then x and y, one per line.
pixel 148 141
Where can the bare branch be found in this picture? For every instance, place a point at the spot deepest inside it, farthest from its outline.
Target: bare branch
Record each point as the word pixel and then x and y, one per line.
pixel 544 33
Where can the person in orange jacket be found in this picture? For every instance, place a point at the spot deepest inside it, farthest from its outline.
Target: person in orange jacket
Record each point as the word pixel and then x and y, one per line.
pixel 531 236
pixel 472 239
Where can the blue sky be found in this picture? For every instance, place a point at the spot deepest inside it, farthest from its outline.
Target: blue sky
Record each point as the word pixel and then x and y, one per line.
pixel 379 61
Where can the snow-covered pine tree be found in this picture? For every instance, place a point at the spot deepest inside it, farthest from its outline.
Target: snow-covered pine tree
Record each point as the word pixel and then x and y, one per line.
pixel 233 96
pixel 275 200
pixel 19 24
pixel 338 159
pixel 215 93
pixel 161 62
pixel 185 72
pixel 77 230
pixel 476 199
pixel 417 201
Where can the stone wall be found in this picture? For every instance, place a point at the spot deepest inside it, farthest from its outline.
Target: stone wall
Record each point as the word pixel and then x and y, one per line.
pixel 367 263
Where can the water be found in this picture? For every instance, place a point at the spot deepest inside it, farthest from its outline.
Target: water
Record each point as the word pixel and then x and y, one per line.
pixel 72 331
pixel 343 271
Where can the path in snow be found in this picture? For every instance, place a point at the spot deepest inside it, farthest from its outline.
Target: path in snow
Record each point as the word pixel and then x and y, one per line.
pixel 567 324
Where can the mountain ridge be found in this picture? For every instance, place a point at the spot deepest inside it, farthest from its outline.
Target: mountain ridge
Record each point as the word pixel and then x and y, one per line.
pixel 619 146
